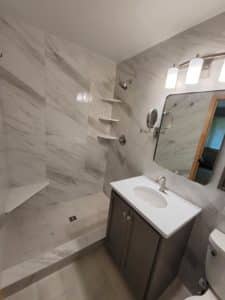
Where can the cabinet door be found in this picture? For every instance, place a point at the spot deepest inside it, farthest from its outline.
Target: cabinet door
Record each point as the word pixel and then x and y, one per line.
pixel 140 256
pixel 117 232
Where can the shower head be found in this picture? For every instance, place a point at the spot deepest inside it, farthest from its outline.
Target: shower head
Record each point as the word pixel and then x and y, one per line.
pixel 124 83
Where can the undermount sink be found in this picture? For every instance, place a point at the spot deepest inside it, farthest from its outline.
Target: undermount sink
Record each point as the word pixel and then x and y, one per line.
pixel 154 198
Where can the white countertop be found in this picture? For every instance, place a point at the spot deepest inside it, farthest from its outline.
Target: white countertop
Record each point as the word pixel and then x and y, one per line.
pixel 167 220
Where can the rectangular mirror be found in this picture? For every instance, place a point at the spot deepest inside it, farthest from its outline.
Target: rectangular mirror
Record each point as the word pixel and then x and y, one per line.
pixel 191 134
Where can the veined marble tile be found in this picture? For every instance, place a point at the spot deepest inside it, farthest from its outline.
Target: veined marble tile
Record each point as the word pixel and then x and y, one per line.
pixel 3 184
pixel 48 213
pixel 24 274
pixel 30 292
pixel 67 119
pixel 3 166
pixel 103 82
pixel 95 160
pixel 50 132
pixel 102 70
pixel 25 168
pixel 66 141
pixel 23 52
pixel 97 109
pixel 90 276
pixel 64 128
pixel 12 79
pixel 55 53
pixel 25 134
pixel 62 89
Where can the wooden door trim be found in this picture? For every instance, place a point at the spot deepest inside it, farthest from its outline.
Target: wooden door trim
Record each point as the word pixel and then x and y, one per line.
pixel 204 135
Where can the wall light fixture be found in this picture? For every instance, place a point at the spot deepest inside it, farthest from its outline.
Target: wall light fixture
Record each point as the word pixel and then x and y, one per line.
pixel 195 67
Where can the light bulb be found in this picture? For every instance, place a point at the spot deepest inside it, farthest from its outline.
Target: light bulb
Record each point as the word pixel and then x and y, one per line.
pixel 194 70
pixel 222 73
pixel 171 78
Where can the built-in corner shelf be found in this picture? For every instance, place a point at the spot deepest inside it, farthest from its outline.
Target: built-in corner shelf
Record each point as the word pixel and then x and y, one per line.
pixel 108 120
pixel 111 100
pixel 104 137
pixel 107 137
pixel 19 195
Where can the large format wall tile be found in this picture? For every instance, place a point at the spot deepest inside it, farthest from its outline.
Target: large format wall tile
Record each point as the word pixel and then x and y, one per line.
pixel 25 131
pixel 148 71
pixel 3 164
pixel 3 184
pixel 22 75
pixel 50 135
pixel 23 53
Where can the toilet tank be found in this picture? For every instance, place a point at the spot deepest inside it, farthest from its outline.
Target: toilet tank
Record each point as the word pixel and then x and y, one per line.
pixel 215 263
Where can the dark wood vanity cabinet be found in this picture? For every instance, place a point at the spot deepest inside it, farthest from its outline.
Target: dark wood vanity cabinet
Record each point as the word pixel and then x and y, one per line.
pixel 118 231
pixel 140 254
pixel 148 261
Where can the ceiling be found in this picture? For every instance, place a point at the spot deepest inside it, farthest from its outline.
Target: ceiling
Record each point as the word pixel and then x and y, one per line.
pixel 117 29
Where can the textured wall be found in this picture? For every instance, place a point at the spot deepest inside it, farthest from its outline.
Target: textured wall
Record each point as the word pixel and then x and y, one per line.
pixel 49 134
pixel 148 71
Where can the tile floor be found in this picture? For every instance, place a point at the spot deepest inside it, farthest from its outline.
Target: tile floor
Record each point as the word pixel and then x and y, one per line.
pixel 23 240
pixel 92 276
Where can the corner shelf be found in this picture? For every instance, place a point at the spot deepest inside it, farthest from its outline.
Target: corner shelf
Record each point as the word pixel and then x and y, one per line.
pixel 111 100
pixel 19 195
pixel 107 137
pixel 108 120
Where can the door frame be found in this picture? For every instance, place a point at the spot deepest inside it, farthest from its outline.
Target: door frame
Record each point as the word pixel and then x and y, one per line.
pixel 203 137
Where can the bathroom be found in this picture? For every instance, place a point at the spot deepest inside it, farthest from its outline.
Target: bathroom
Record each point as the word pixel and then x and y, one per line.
pixel 81 117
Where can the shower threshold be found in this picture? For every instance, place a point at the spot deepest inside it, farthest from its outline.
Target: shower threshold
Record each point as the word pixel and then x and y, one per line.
pixel 23 274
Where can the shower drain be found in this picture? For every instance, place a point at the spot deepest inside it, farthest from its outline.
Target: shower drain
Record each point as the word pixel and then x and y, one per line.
pixel 72 218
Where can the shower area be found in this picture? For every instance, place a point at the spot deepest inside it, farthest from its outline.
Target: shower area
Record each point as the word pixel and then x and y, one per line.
pixel 55 146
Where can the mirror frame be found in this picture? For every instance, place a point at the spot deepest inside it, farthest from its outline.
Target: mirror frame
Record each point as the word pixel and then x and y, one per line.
pixel 208 120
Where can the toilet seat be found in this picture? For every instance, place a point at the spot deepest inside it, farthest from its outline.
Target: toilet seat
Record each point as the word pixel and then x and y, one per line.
pixel 207 296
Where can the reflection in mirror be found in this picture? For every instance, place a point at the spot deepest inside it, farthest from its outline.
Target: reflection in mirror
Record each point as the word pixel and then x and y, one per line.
pixel 191 134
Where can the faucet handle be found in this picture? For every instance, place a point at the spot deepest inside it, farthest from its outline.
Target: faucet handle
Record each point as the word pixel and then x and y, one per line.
pixel 157 179
pixel 160 178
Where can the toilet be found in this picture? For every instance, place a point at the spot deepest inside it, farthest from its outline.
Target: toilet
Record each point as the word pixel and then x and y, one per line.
pixel 215 268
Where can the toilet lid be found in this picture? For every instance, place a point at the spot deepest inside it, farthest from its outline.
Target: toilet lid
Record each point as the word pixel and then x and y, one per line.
pixel 207 296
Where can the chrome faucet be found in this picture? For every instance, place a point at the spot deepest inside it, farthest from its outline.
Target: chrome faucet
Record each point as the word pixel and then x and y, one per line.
pixel 162 183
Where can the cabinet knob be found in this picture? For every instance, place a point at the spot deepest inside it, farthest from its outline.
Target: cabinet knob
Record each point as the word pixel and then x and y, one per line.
pixel 124 214
pixel 129 218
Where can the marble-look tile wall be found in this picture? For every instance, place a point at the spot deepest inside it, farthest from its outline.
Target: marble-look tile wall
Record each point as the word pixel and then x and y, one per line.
pixel 3 165
pixel 22 90
pixel 3 186
pixel 148 72
pixel 49 134
pixel 76 161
